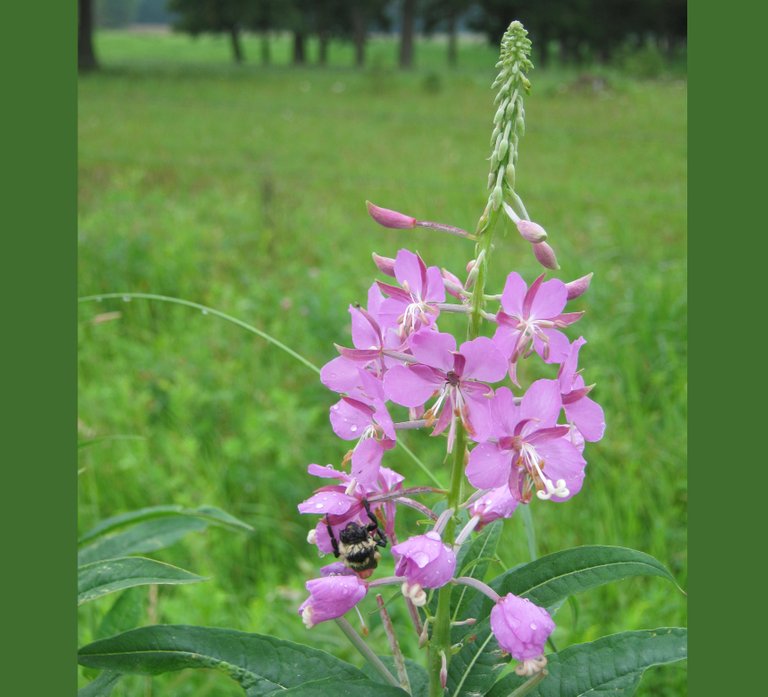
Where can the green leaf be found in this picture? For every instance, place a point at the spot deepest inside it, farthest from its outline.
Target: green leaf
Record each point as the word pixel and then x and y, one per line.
pixel 556 576
pixel 110 575
pixel 260 664
pixel 100 687
pixel 545 581
pixel 612 665
pixel 127 612
pixel 332 686
pixel 147 536
pixel 211 514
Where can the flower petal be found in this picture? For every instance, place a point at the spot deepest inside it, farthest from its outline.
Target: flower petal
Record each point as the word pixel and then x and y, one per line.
pixel 589 418
pixel 513 294
pixel 411 386
pixel 350 417
pixel 562 460
pixel 549 300
pixel 488 466
pixel 411 272
pixel 541 403
pixel 483 360
pixel 433 348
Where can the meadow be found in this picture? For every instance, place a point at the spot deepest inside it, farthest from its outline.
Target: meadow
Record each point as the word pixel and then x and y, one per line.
pixel 243 189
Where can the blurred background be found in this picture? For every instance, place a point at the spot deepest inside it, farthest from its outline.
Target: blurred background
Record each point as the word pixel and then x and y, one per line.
pixel 226 150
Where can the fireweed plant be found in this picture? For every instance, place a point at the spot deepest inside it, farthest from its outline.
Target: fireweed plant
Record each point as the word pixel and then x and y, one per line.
pixel 510 444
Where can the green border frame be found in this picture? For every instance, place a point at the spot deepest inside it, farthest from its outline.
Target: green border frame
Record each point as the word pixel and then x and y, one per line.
pixel 39 64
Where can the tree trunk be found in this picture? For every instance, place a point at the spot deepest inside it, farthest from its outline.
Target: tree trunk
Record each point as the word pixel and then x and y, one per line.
pixel 322 53
pixel 299 48
pixel 453 54
pixel 406 33
pixel 86 56
pixel 237 46
pixel 266 50
pixel 358 35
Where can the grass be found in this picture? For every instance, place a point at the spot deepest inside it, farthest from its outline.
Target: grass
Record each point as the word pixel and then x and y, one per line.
pixel 244 188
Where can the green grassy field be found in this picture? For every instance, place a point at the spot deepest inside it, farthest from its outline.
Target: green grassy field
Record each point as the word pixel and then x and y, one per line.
pixel 244 189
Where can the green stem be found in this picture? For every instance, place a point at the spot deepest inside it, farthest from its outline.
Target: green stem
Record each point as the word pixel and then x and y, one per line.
pixel 530 531
pixel 441 633
pixel 478 292
pixel 209 311
pixel 528 685
pixel 357 641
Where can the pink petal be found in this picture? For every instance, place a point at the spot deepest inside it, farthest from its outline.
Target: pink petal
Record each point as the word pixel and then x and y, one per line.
pixel 327 472
pixel 483 360
pixel 411 273
pixel 366 458
pixel 589 418
pixel 411 387
pixel 562 460
pixel 513 294
pixel 541 403
pixel 435 288
pixel 327 502
pixel 433 348
pixel 506 339
pixel 488 466
pixel 340 375
pixel 559 346
pixel 349 418
pixel 570 365
pixel 478 411
pixel 506 414
pixel 549 300
pixel 365 330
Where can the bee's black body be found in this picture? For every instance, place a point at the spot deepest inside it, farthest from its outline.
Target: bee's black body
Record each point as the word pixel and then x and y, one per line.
pixel 357 544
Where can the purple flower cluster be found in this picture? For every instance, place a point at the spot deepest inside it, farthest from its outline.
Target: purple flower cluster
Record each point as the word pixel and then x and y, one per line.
pixel 522 441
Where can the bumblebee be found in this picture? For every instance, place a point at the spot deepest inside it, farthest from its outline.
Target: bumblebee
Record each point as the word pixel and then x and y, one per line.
pixel 357 544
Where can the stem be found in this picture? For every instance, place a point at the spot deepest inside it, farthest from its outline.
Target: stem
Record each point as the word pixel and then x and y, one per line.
pixel 441 634
pixel 357 641
pixel 208 311
pixel 530 532
pixel 397 654
pixel 527 686
pixel 478 295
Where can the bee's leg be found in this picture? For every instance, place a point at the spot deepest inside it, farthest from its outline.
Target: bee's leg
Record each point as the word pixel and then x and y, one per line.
pixel 378 534
pixel 334 541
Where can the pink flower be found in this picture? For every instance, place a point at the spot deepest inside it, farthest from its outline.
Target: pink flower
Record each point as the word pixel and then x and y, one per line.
pixel 414 303
pixel 521 627
pixel 531 450
pixel 531 318
pixel 331 597
pixel 425 561
pixel 455 377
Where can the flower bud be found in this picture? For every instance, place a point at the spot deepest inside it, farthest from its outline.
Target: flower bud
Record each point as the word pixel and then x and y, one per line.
pixel 520 627
pixel 579 286
pixel 533 232
pixel 389 218
pixel 497 503
pixel 425 560
pixel 331 597
pixel 545 255
pixel 384 264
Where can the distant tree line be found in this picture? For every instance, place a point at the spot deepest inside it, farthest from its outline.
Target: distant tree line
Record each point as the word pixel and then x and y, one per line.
pixel 572 30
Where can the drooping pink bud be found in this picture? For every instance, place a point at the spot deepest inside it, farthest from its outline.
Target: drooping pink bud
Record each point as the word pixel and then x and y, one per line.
pixel 497 503
pixel 390 218
pixel 384 264
pixel 521 627
pixel 452 283
pixel 331 597
pixel 579 286
pixel 545 255
pixel 533 232
pixel 425 560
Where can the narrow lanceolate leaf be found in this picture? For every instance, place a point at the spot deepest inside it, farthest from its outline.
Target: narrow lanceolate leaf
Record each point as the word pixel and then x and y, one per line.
pixel 110 575
pixel 545 581
pixel 211 514
pixel 141 538
pixel 127 611
pixel 101 686
pixel 334 688
pixel 612 665
pixel 260 664
pixel 556 576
